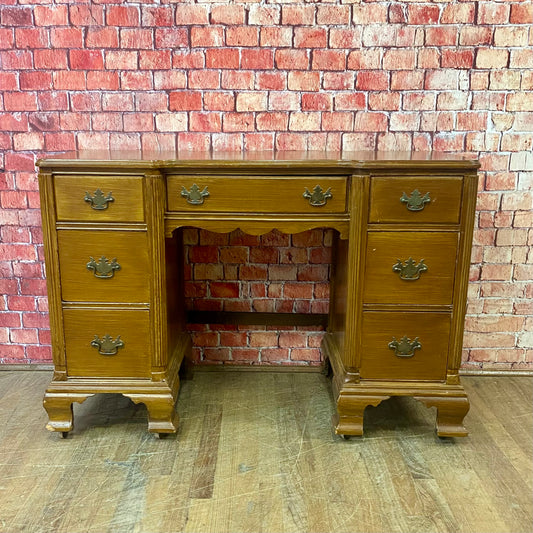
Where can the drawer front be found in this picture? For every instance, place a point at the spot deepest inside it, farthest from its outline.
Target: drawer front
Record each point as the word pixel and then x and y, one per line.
pixel 104 266
pixel 313 195
pixel 99 199
pixel 410 268
pixel 415 200
pixel 124 353
pixel 405 346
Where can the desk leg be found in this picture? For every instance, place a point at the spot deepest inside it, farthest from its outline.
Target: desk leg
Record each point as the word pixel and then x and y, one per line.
pixel 59 409
pixel 350 409
pixel 450 414
pixel 162 415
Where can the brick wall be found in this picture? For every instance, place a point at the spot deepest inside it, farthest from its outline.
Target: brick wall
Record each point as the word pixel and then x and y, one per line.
pixel 450 75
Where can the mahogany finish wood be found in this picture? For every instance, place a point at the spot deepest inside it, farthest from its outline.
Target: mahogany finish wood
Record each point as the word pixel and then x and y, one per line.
pixel 392 330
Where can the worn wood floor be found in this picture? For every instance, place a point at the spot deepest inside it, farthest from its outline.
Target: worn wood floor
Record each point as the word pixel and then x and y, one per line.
pixel 255 453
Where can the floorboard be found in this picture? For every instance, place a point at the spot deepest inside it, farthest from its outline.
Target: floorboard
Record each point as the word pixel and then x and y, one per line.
pixel 255 452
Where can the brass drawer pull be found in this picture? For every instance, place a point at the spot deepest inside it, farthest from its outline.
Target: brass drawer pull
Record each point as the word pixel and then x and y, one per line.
pixel 99 200
pixel 107 346
pixel 415 202
pixel 195 196
pixel 409 270
pixel 104 268
pixel 404 347
pixel 318 197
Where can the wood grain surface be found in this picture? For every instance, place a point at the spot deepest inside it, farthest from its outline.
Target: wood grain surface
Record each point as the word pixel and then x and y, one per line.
pixel 256 453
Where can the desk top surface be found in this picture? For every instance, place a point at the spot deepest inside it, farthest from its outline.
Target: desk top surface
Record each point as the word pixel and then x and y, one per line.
pixel 258 159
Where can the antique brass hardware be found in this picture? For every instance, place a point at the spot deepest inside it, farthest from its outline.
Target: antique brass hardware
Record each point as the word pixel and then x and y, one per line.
pixel 409 270
pixel 318 197
pixel 107 346
pixel 99 200
pixel 404 347
pixel 415 202
pixel 195 196
pixel 104 268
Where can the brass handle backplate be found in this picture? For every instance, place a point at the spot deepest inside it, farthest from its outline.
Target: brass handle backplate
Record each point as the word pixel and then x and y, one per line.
pixel 318 197
pixel 195 196
pixel 103 268
pixel 409 270
pixel 107 346
pixel 415 202
pixel 404 347
pixel 99 200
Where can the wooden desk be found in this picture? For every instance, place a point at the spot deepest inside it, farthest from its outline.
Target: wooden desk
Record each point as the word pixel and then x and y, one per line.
pixel 112 233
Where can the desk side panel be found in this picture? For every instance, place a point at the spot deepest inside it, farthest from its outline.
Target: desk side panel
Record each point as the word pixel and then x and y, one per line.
pixel 53 282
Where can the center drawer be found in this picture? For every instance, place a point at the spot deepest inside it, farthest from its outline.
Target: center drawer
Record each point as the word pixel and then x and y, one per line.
pixel 258 194
pixel 104 266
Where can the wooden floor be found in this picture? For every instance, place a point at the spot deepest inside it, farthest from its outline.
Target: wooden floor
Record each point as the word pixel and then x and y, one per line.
pixel 255 453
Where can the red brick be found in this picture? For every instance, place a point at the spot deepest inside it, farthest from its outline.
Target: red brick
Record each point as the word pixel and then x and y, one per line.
pixel 185 101
pixel 233 338
pixel 86 59
pixel 337 121
pixel 275 36
pixel 386 101
pixel 345 38
pixel 205 122
pixel 275 81
pixel 51 16
pixel 462 13
pixel 263 338
pixel 298 15
pixel 219 101
pixel 372 80
pixel 238 122
pixel 305 354
pixel 423 14
pixel 328 60
pixel 272 121
pixel 227 14
pixel 8 81
pixel 191 14
pixel 292 59
pixel 122 16
pixel 397 59
pixel 20 101
pixel 441 36
pixel 351 101
pixel 67 37
pixel 239 79
pixel 28 38
pixel 521 13
pixel 207 36
pixel 86 15
pixel 475 35
pixel 224 289
pixel 73 81
pixel 274 354
pixel 493 13
pixel 304 81
pixel 251 101
pixel 224 58
pixel 17 60
pixel 252 272
pixel 407 80
pixel 156 16
pixel 35 80
pixel 171 38
pixel 264 15
pixel 292 339
pixel 457 59
pixel 242 36
pixel 16 16
pixel 257 59
pixel 136 38
pixel 310 38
